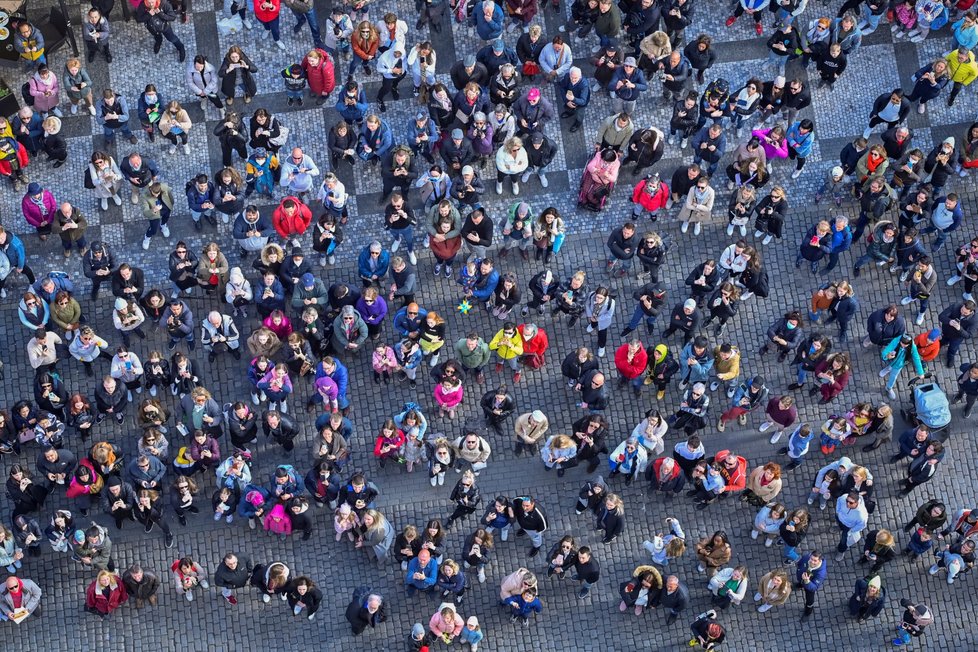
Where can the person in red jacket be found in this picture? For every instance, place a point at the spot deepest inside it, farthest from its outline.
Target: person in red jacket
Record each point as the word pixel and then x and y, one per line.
pixel 267 13
pixel 105 594
pixel 291 218
pixel 928 345
pixel 649 196
pixel 733 468
pixel 13 160
pixel 318 67
pixel 630 360
pixel 535 343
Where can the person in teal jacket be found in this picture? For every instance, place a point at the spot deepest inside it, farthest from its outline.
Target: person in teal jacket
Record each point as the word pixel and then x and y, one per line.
pixel 801 139
pixel 900 352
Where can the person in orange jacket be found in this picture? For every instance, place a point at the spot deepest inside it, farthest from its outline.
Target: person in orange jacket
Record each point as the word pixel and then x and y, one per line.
pixel 291 218
pixel 929 344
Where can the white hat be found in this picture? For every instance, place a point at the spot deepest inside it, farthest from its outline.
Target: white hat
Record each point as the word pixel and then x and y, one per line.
pixel 837 171
pixel 690 304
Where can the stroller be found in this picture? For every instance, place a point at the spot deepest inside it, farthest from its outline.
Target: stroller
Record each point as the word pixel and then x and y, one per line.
pixel 930 405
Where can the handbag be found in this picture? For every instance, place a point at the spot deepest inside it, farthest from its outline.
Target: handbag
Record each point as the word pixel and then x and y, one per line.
pixel 533 360
pixel 531 68
pixel 558 242
pixel 283 135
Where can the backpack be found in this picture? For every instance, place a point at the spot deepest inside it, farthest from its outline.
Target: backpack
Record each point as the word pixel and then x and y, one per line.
pixel 719 87
pixel 62 281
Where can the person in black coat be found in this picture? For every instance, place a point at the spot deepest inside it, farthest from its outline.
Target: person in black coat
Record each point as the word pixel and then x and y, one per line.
pixel 281 428
pixel 842 309
pixel 594 397
pixel 699 53
pixel 234 572
pixel 366 608
pixel 611 519
pixel 621 245
pixel 784 334
pixel 497 406
pixel 868 598
pixel 97 264
pixel 468 70
pixel 896 141
pixel 590 433
pixel 897 111
pixel 685 117
pixel 703 280
pixel 685 317
pixel 241 75
pixel 303 595
pixel 650 298
pixel 770 212
pixel 543 287
pixel 674 596
pixel 587 569
pixel 958 324
pixel 645 149
pixel 128 283
pixel 883 325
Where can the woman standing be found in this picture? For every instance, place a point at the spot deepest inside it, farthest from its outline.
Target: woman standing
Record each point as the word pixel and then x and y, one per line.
pixel 376 535
pixel 511 163
pixel 104 177
pixel 237 71
pixel 599 309
pixel 302 595
pixel 698 205
pixel 264 132
pixel 175 125
pixel 105 594
pixel 772 590
pixel 149 108
pixel 318 68
pixel 78 86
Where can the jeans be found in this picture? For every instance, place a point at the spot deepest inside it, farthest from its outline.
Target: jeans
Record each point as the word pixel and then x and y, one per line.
pixel 109 132
pixel 637 318
pixel 81 243
pixel 791 553
pixel 405 235
pixel 154 225
pixel 777 60
pixel 536 538
pixel 802 375
pixel 293 95
pixel 313 21
pixel 872 20
pixel 892 377
pixel 273 27
pixel 711 168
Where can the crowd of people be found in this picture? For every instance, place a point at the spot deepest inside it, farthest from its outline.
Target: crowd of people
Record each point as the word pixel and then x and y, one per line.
pixel 308 331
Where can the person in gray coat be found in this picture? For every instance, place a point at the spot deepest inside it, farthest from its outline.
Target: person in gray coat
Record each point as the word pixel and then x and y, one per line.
pixel 146 472
pixel 178 321
pixel 349 330
pixel 21 590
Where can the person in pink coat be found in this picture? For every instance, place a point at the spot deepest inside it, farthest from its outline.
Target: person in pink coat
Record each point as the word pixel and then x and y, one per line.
pixel 774 143
pixel 446 624
pixel 384 363
pixel 39 208
pixel 277 521
pixel 45 90
pixel 318 67
pixel 448 395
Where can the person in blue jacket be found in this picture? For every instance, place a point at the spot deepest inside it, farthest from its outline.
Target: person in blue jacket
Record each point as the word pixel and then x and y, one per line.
pixel 801 139
pixel 373 264
pixel 580 94
pixel 488 19
pixel 269 295
pixel 375 139
pixel 352 103
pixel 900 352
pixel 810 575
pixel 627 83
pixel 524 605
pixel 408 321
pixel 422 573
pixel 339 374
pixel 199 192
pixel 486 281
pixel 841 241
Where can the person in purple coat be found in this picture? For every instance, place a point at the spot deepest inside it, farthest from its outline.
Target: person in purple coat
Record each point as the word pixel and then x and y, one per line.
pixel 373 309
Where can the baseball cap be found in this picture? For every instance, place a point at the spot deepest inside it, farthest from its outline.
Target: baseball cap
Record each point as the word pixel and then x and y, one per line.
pixel 308 280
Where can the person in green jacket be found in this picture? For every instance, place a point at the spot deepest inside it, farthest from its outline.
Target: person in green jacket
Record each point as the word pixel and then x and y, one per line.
pixel 474 354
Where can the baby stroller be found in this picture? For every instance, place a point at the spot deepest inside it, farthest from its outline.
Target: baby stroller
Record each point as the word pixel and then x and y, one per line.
pixel 929 406
pixel 593 194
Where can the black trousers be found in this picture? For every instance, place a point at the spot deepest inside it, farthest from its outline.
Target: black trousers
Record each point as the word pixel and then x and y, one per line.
pixel 389 85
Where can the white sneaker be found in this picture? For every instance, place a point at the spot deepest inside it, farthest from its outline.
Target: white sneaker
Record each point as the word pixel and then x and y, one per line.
pixel 516 188
pixel 543 179
pixel 412 258
pixel 730 185
pixel 57 112
pixel 395 245
pixel 743 231
pixel 189 596
pixel 504 534
pixel 281 46
pixel 671 140
pixel 685 227
pixel 746 295
pixel 265 597
pixel 906 301
pixel 404 565
pixel 767 239
pixel 921 108
pixel 434 481
pixel 730 228
pixel 526 176
pixel 763 608
pixel 684 142
pixel 753 535
pixel 919 320
pixel 697 228
pixel 186 148
pixel 74 109
pixel 117 200
pixel 499 188
pixel 225 218
pixel 104 203
pixel 441 478
pixel 768 542
pixel 757 597
pixel 701 568
pixel 776 437
pixel 246 23
pixel 146 242
pixel 165 230
pixel 796 174
pixel 482 575
pixel 91 109
pixel 967 296
pixel 764 427
pixel 152 390
pixel 134 196
pixel 172 150
pixel 758 233
pixel 601 352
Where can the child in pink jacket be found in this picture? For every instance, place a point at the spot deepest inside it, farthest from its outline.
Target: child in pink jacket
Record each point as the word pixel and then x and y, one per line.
pixel 277 521
pixel 446 624
pixel 448 395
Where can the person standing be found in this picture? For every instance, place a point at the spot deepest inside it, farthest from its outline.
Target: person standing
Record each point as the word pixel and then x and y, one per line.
pixel 851 515
pixel 105 594
pixel 157 15
pixel 810 574
pixel 141 585
pixel 532 522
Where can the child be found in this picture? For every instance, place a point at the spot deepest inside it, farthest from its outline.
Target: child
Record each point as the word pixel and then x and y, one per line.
pixel 259 173
pixel 448 395
pixel 277 521
pixel 345 522
pixel 834 430
pixel 467 276
pixel 277 385
pixel 295 83
pixel 524 605
pixel 421 639
pixel 835 183
pixel 225 501
pixel 920 542
pixel 384 363
pixel 797 447
pixel 824 489
pixel 472 634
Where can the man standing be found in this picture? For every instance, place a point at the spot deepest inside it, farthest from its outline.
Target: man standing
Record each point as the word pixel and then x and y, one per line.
pixel 588 571
pixel 532 522
pixel 234 572
pixel 141 584
pixel 810 576
pixel 674 596
pixel 218 333
pixel 851 515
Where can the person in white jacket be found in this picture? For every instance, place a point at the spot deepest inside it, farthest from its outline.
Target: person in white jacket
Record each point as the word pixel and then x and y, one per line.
pixel 732 261
pixel 127 368
pixel 203 81
pixel 851 514
pixel 664 547
pixel 728 586
pixel 392 69
pixel 421 62
pixel 238 293
pixel 651 432
pixel 511 163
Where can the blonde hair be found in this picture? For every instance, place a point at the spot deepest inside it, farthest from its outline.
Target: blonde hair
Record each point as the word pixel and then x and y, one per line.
pixel 198 392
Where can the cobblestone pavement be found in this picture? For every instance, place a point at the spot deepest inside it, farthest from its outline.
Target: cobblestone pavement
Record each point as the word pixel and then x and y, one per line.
pixel 567 622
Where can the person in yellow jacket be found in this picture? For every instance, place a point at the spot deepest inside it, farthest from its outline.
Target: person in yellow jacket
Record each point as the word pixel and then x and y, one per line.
pixel 726 366
pixel 508 345
pixel 963 70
